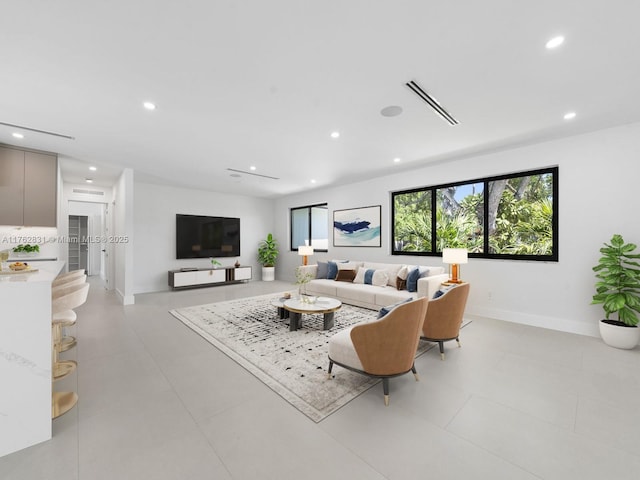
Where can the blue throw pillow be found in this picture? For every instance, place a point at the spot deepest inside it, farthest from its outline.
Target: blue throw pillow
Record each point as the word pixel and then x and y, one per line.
pixel 412 279
pixel 438 294
pixel 368 276
pixel 385 310
pixel 442 290
pixel 323 270
pixel 332 270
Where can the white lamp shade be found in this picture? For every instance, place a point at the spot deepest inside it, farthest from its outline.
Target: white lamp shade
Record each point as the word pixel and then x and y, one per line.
pixel 454 255
pixel 305 250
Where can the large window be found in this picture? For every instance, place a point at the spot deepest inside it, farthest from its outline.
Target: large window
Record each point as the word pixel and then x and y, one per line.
pixel 511 216
pixel 310 226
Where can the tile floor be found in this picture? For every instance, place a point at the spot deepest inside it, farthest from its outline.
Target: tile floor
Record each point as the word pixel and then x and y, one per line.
pixel 159 402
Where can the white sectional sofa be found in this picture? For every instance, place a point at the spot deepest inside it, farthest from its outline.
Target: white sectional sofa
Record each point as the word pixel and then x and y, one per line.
pixel 371 295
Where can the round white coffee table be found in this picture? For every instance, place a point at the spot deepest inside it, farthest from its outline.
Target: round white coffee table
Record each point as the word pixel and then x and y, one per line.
pixel 324 305
pixel 279 304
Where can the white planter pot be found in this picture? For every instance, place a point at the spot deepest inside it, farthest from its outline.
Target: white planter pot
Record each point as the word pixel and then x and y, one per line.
pixel 619 337
pixel 268 274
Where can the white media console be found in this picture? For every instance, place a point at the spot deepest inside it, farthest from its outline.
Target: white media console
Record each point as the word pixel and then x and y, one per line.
pixel 201 277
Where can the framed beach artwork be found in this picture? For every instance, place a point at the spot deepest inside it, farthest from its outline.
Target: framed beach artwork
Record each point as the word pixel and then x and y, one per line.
pixel 357 227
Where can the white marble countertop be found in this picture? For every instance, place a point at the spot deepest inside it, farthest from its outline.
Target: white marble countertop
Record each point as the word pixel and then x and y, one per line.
pixel 46 272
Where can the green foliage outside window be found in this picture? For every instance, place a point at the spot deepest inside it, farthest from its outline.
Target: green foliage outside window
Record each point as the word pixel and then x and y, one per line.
pixel 510 216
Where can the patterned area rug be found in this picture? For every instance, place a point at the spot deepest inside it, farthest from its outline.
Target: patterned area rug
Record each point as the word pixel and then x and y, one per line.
pixel 293 364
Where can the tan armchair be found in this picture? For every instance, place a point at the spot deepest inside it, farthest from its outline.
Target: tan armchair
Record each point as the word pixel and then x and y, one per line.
pixel 382 348
pixel 444 317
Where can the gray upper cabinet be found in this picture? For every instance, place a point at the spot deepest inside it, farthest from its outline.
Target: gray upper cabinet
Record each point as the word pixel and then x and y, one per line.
pixel 40 172
pixel 28 183
pixel 11 186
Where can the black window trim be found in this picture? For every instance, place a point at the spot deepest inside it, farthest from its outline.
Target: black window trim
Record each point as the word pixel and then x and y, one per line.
pixel 554 257
pixel 309 207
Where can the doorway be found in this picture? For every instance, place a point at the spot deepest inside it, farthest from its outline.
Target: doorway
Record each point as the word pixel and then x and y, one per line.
pixel 88 239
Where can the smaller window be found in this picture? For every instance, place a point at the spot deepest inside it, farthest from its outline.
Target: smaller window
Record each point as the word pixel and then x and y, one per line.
pixel 310 226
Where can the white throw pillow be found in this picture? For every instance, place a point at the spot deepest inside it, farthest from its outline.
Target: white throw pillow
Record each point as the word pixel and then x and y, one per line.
pixel 360 275
pixel 380 278
pixel 403 272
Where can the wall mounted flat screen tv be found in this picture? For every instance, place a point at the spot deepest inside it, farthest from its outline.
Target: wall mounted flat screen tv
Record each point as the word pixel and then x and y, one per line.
pixel 198 236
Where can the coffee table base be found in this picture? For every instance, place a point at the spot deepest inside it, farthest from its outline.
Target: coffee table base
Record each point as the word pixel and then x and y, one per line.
pixel 295 320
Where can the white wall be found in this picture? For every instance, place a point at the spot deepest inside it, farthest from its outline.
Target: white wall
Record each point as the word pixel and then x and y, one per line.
pixel 121 242
pixel 155 212
pixel 598 175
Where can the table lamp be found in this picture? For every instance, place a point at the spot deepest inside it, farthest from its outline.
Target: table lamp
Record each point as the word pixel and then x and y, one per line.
pixel 305 251
pixel 454 257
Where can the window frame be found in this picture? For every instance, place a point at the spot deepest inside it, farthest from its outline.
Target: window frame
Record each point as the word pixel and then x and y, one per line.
pixel 553 257
pixel 309 225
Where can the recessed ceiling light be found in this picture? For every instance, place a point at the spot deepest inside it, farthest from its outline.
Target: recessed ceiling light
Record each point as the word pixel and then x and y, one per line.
pixel 313 181
pixel 335 134
pixel 391 111
pixel 17 135
pixel 149 105
pixel 252 168
pixel 396 160
pixel 570 115
pixel 555 42
pixel 93 169
pixel 88 180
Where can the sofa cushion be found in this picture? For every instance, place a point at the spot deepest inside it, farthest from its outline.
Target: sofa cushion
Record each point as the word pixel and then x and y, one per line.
pixel 389 296
pixel 358 293
pixel 378 278
pixel 321 287
pixel 345 275
pixel 349 265
pixel 401 279
pixel 323 270
pixel 412 279
pixel 390 268
pixel 332 270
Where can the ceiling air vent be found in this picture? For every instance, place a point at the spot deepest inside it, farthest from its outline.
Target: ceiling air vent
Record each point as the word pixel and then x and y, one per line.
pixel 433 103
pixel 87 192
pixel 251 173
pixel 44 132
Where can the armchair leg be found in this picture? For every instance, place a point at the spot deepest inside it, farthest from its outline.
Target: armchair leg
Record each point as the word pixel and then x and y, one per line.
pixel 441 345
pixel 415 373
pixel 385 389
pixel 329 370
pixel 457 340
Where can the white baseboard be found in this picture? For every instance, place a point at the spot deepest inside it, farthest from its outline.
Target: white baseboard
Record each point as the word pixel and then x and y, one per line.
pixel 552 323
pixel 126 299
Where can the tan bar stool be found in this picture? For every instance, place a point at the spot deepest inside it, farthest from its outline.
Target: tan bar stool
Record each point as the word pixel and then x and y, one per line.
pixel 65 277
pixel 66 317
pixel 66 299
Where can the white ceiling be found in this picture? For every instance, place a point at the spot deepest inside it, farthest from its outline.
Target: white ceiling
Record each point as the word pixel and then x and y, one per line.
pixel 264 83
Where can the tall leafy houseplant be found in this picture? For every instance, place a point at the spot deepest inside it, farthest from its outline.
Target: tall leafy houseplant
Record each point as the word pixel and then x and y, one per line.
pixel 267 254
pixel 618 290
pixel 268 251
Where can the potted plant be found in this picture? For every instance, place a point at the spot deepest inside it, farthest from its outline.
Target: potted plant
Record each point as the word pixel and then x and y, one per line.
pixel 267 255
pixel 302 278
pixel 26 250
pixel 618 291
